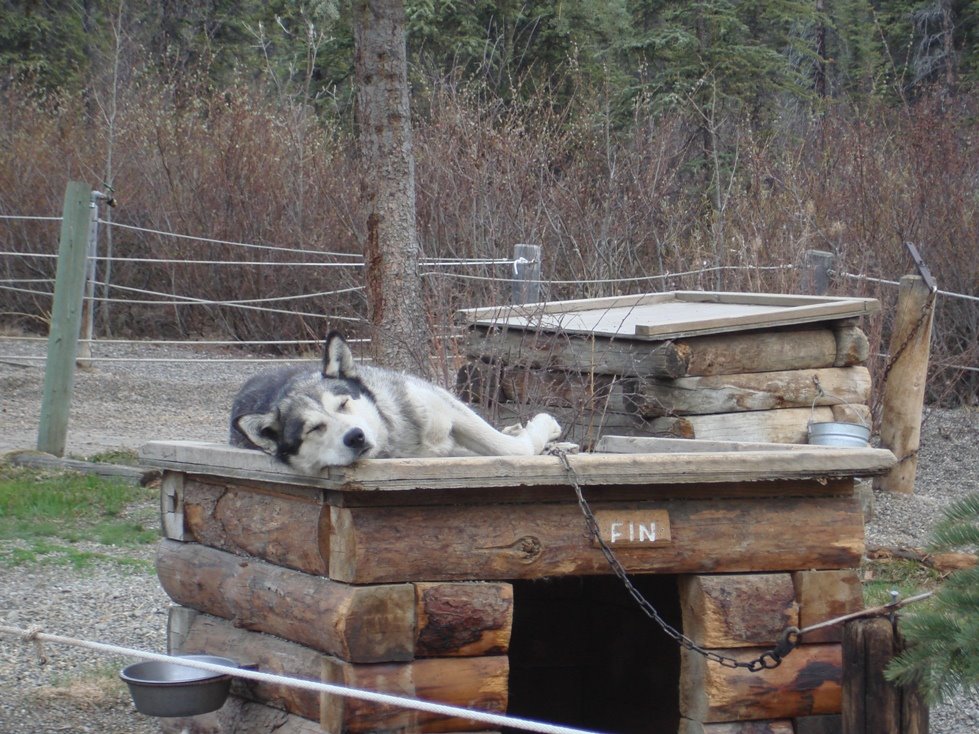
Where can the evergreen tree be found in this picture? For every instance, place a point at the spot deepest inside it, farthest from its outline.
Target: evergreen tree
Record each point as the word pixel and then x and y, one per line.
pixel 853 50
pixel 747 52
pixel 519 47
pixel 929 43
pixel 44 44
pixel 943 656
pixel 305 51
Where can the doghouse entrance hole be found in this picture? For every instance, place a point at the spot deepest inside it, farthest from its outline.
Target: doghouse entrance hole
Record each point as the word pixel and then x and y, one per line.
pixel 584 654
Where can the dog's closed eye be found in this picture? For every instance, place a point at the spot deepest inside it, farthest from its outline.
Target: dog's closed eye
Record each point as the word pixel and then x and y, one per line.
pixel 344 404
pixel 317 428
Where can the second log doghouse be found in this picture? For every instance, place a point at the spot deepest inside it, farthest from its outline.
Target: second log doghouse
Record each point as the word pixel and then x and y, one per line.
pixel 686 364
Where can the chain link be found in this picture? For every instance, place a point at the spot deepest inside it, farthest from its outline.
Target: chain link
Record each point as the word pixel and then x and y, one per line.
pixel 766 661
pixel 892 360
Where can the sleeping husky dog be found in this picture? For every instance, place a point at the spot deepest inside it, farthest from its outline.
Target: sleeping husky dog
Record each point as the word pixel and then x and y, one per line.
pixel 313 418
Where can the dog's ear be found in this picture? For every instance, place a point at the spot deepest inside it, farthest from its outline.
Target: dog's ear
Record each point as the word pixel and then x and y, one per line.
pixel 338 361
pixel 262 429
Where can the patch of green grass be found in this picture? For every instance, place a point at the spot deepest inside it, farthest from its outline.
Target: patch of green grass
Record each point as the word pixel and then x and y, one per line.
pixel 43 552
pixel 96 686
pixel 124 533
pixel 907 577
pixel 45 509
pixel 123 457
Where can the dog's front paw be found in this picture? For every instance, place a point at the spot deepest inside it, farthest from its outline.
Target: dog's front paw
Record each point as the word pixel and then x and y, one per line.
pixel 514 430
pixel 545 425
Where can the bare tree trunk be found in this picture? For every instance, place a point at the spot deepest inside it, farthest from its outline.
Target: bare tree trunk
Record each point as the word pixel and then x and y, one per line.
pixel 819 82
pixel 948 46
pixel 401 333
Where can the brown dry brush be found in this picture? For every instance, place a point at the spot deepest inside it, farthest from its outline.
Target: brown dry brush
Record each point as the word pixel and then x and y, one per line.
pixel 611 203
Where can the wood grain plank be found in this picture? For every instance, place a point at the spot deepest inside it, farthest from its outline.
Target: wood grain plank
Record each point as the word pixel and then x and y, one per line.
pixel 659 316
pixel 477 683
pixel 500 542
pixel 785 425
pixel 737 610
pixel 808 682
pixel 750 391
pixel 362 624
pixel 591 469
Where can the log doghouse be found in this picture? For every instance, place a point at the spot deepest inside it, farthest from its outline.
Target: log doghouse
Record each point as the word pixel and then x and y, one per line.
pixel 476 582
pixel 686 364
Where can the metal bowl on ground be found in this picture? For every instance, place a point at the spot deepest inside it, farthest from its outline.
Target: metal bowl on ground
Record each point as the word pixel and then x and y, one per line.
pixel 170 689
pixel 848 435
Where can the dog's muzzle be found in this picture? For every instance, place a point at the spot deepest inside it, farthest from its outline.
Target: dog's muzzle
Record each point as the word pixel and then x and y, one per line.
pixel 356 440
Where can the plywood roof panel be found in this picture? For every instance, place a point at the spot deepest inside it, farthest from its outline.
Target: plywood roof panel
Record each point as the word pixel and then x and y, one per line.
pixel 673 314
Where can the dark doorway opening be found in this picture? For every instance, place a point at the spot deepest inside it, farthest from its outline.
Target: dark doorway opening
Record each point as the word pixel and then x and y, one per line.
pixel 584 654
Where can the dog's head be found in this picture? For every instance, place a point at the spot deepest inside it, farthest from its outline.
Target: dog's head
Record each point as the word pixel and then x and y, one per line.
pixel 328 420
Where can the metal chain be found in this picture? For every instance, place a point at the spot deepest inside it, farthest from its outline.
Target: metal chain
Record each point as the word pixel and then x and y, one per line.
pixel 925 310
pixel 767 660
pixel 892 359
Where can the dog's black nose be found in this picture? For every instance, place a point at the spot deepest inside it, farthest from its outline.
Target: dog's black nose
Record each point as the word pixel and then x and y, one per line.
pixel 355 439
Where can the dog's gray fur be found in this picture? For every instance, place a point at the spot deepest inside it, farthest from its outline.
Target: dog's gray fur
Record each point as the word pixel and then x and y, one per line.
pixel 343 412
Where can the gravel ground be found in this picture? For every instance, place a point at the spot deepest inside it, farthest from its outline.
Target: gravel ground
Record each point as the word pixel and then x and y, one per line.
pixel 122 405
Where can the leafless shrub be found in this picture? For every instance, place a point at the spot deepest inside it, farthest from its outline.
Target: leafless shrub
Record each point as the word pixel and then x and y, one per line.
pixel 618 208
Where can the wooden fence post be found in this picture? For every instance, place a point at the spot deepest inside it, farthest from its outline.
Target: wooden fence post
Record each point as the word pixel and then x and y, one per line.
pixel 66 313
pixel 904 386
pixel 815 272
pixel 871 704
pixel 526 269
pixel 84 356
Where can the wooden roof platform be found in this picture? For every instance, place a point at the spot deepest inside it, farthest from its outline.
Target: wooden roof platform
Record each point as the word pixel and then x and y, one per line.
pixel 659 316
pixel 664 463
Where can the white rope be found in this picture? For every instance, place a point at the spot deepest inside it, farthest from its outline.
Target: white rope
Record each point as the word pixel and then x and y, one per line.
pixel 28 291
pixel 436 262
pixel 180 360
pixel 449 262
pixel 191 342
pixel 433 263
pixel 30 219
pixel 956 367
pixel 261 309
pixel 868 278
pixel 237 263
pixel 246 305
pixel 958 295
pixel 949 294
pixel 207 302
pixel 212 241
pixel 29 254
pixel 613 281
pixel 439 262
pixel 873 611
pixel 33 635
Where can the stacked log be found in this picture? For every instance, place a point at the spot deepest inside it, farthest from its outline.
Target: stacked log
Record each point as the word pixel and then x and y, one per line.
pixel 763 385
pixel 264 599
pixel 741 617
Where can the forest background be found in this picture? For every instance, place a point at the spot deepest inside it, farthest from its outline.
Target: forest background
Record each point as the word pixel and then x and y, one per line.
pixel 644 144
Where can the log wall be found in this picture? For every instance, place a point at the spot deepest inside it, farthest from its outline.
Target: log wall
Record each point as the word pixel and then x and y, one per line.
pixel 745 385
pixel 741 617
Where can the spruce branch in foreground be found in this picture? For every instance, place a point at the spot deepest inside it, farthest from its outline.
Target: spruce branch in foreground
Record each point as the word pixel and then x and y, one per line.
pixel 943 638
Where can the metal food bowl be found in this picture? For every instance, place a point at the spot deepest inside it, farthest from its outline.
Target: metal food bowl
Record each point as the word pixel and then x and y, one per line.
pixel 849 435
pixel 169 689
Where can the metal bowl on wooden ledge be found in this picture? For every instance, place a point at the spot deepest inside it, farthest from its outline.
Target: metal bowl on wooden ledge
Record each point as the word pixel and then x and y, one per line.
pixel 169 689
pixel 844 435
